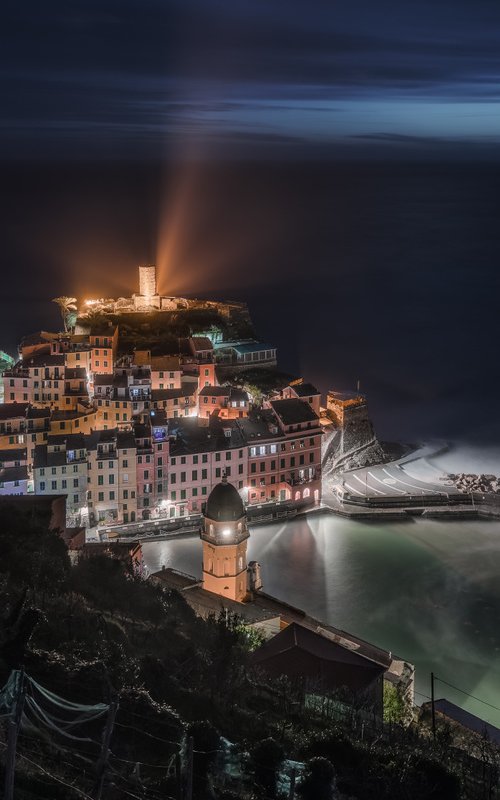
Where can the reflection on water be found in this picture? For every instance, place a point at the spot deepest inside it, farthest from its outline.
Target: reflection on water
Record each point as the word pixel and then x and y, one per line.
pixel 429 591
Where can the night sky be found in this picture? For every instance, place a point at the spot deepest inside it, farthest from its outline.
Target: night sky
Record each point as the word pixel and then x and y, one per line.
pixel 121 78
pixel 335 164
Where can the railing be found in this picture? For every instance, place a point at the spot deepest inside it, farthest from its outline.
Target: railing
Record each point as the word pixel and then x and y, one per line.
pixel 301 481
pixel 16 373
pixel 230 537
pixel 106 454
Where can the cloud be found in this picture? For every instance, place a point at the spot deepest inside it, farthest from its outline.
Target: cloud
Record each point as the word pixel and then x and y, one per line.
pixel 170 66
pixel 400 138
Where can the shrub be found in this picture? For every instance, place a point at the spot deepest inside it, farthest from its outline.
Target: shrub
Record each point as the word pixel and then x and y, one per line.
pixel 318 782
pixel 265 760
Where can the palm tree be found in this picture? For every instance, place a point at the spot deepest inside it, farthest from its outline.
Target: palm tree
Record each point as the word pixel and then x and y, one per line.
pixel 68 308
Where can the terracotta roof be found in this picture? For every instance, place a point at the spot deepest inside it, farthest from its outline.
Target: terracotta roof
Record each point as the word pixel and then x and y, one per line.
pixel 11 474
pixel 291 614
pixel 239 395
pixel 187 389
pixel 73 441
pixel 465 719
pixel 165 364
pixel 201 343
pixel 296 636
pixel 120 381
pixel 188 436
pixel 37 413
pixel 44 360
pixel 158 417
pixel 142 357
pixel 45 459
pixel 165 394
pixel 293 411
pixel 103 380
pixel 13 410
pixel 208 603
pixel 15 454
pixel 41 337
pixel 305 389
pixel 215 391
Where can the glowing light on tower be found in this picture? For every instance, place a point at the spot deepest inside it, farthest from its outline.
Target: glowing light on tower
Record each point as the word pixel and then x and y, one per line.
pixel 147 282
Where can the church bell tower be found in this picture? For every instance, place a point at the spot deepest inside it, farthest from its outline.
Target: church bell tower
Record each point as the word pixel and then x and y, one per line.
pixel 224 536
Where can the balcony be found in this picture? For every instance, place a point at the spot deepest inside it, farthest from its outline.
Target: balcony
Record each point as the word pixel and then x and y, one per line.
pixel 300 480
pixel 16 373
pixel 76 391
pixel 108 453
pixel 144 449
pixel 225 535
pixel 72 457
pixel 138 395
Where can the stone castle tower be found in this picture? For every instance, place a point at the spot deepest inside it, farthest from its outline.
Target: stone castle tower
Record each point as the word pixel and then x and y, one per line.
pixel 224 536
pixel 147 281
pixel 147 299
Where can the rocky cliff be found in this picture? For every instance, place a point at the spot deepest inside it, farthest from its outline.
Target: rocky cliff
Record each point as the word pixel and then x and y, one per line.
pixel 352 443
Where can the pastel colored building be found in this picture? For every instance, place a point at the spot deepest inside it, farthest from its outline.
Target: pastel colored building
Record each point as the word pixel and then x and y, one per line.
pixel 212 399
pixel 13 457
pixel 199 456
pixel 38 380
pixel 207 375
pixel 22 424
pixel 14 474
pixel 152 466
pixel 36 343
pixel 202 349
pixel 76 390
pixel 224 401
pixel 79 356
pixel 112 412
pixel 284 454
pixel 12 424
pixel 166 372
pixel 238 405
pixel 60 467
pixel 112 477
pixel 303 391
pixel 103 343
pixel 175 403
pixel 81 419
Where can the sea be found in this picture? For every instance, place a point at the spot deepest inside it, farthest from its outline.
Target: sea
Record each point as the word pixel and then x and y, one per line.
pixel 380 275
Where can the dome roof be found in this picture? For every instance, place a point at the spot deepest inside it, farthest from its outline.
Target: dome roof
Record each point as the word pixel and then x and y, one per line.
pixel 224 503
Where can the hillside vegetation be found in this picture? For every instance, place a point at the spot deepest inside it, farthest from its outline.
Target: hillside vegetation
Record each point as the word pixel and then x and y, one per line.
pixel 93 632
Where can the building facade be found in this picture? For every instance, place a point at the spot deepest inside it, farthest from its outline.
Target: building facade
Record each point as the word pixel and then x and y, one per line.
pixel 224 536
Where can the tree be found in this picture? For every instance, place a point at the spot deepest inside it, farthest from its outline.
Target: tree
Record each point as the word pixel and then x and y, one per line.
pixel 431 780
pixel 396 709
pixel 265 760
pixel 32 555
pixel 67 307
pixel 318 782
pixel 255 393
pixel 206 744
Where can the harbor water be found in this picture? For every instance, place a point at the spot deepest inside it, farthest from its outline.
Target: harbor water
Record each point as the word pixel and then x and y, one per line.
pixel 426 590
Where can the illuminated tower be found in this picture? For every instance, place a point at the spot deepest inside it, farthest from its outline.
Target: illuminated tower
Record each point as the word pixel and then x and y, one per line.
pixel 147 282
pixel 224 536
